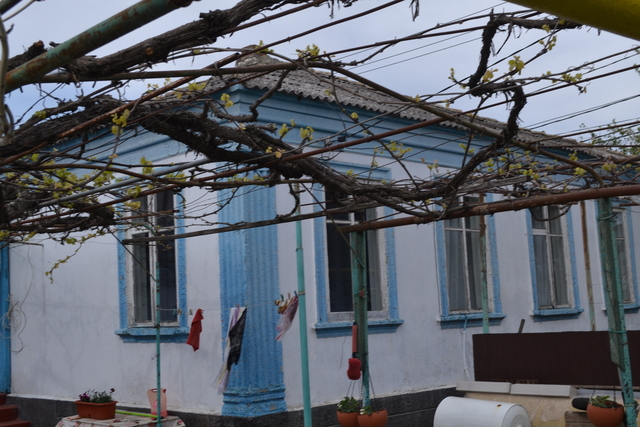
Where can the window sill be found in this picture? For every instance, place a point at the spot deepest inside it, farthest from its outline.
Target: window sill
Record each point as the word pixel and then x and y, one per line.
pixel 556 314
pixel 142 335
pixel 632 307
pixel 341 329
pixel 470 320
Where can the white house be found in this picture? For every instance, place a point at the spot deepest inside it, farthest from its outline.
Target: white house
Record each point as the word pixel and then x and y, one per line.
pixel 90 325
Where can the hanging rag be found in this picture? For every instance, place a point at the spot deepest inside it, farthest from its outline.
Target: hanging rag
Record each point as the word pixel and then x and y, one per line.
pixel 235 332
pixel 194 333
pixel 286 318
pixel 235 339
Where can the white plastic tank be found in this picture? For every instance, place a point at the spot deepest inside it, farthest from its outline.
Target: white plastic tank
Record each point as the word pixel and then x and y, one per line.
pixel 461 412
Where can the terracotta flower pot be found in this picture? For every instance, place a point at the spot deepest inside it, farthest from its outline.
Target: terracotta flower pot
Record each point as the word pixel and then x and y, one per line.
pixel 96 411
pixel 377 419
pixel 347 419
pixel 605 417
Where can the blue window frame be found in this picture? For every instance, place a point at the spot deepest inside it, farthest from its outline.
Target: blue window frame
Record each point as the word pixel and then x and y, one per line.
pixel 459 257
pixel 625 254
pixel 552 264
pixel 138 266
pixel 333 268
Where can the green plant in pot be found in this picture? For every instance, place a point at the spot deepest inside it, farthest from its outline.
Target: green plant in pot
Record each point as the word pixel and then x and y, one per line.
pixel 603 412
pixel 98 405
pixel 97 396
pixel 348 409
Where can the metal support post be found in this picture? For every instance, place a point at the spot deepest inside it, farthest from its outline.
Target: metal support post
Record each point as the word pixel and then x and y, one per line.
pixel 158 380
pixel 360 306
pixel 302 308
pixel 483 275
pixel 615 306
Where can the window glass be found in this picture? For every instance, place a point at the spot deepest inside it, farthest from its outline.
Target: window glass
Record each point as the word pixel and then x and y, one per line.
pixel 542 271
pixel 559 270
pixel 153 265
pixel 141 282
pixel 463 253
pixel 550 257
pixel 339 258
pixel 537 218
pixel 623 256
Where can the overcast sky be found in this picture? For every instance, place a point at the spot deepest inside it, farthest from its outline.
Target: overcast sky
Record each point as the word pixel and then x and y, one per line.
pixel 417 68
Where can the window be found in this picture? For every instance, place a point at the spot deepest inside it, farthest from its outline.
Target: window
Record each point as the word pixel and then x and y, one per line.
pixel 552 264
pixel 339 258
pixel 623 251
pixel 333 267
pixel 461 259
pixel 550 258
pixel 464 260
pixel 153 266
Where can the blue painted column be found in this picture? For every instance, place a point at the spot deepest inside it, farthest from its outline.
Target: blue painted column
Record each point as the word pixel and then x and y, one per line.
pixel 5 347
pixel 249 278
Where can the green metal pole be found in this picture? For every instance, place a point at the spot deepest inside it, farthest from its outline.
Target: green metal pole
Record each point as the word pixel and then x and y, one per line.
pixel 302 308
pixel 483 274
pixel 157 326
pixel 108 30
pixel 615 306
pixel 158 381
pixel 587 266
pixel 360 305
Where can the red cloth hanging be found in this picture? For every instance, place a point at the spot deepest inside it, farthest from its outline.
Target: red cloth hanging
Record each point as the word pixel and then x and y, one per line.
pixel 196 328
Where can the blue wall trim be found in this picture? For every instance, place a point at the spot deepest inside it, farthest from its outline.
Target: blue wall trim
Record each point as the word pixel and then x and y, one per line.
pixel 574 263
pixel 326 118
pixel 556 314
pixel 325 328
pixel 130 334
pixel 442 270
pixel 5 348
pixel 249 277
pixel 493 259
pixel 450 320
pixel 470 320
pixel 342 329
pixel 181 247
pixel 148 335
pixel 632 258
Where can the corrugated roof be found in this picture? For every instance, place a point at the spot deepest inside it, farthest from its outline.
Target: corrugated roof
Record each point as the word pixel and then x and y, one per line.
pixel 329 88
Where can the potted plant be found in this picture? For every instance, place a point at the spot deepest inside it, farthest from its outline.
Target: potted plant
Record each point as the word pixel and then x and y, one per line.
pixel 369 417
pixel 98 405
pixel 348 411
pixel 603 412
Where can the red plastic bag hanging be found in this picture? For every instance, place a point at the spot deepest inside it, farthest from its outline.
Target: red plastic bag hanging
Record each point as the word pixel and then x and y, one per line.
pixel 353 371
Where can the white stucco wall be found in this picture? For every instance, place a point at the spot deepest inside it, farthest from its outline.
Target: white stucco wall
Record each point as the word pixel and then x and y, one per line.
pixel 65 343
